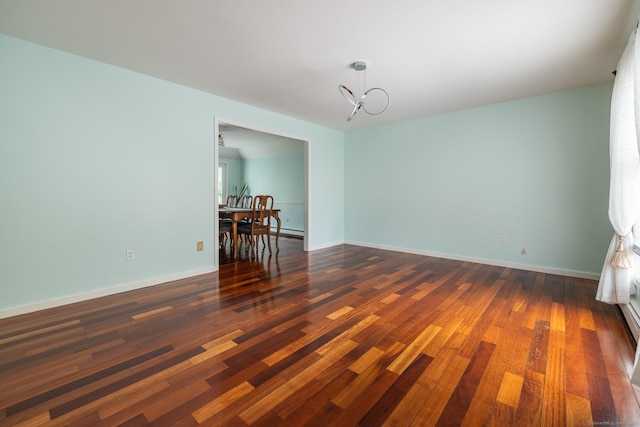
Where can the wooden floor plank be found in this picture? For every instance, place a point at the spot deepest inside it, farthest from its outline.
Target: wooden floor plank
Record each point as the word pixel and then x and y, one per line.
pixel 454 411
pixel 436 401
pixel 347 336
pixel 530 405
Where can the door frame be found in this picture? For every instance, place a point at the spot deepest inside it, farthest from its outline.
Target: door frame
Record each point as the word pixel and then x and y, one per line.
pixel 216 150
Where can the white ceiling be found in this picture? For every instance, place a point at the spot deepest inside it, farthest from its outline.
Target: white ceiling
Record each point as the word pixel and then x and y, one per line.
pixel 289 56
pixel 243 143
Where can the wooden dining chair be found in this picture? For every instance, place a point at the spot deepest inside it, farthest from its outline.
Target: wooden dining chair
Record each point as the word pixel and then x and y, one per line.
pixel 260 225
pixel 225 224
pixel 224 232
pixel 246 202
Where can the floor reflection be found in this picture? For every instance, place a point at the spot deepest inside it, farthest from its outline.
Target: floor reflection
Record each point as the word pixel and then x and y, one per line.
pixel 288 245
pixel 253 281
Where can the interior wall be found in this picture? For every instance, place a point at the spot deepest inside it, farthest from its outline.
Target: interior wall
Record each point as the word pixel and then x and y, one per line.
pixel 282 177
pixel 96 160
pixel 521 183
pixel 235 174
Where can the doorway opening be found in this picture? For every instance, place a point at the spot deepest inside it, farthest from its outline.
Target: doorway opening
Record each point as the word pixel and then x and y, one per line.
pixel 268 163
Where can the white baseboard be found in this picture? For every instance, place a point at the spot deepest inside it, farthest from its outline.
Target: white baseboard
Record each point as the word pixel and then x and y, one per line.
pixel 324 246
pixel 83 296
pixel 290 232
pixel 56 302
pixel 498 263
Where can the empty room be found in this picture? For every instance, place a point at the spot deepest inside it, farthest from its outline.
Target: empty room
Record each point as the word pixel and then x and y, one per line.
pixel 319 214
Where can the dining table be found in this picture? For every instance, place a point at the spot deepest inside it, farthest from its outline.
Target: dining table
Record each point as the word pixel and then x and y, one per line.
pixel 238 214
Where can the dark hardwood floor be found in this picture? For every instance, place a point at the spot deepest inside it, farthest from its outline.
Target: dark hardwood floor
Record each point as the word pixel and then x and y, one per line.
pixel 343 336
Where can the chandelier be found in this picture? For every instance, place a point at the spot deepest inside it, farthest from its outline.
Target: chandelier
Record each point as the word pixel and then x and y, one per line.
pixel 357 99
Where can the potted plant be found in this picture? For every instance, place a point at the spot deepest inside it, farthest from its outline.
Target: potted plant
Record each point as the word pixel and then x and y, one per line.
pixel 239 194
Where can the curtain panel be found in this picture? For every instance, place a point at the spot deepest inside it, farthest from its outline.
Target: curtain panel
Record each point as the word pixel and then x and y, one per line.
pixel 618 273
pixel 624 186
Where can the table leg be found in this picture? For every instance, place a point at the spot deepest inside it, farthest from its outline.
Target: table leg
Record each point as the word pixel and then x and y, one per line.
pixel 278 232
pixel 234 233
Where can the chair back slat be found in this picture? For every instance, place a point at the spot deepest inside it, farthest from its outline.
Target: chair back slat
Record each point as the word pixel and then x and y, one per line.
pixel 246 202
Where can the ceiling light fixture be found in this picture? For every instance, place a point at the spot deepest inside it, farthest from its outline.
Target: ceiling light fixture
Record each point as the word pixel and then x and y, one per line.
pixel 357 99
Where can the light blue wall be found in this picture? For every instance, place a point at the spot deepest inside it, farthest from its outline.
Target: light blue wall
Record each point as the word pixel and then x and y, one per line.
pixel 95 160
pixel 282 177
pixel 534 170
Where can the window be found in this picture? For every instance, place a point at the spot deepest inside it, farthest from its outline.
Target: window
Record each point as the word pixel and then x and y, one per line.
pixel 222 183
pixel 634 300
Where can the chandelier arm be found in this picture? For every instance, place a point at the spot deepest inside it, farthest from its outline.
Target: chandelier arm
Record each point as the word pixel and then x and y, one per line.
pixel 356 107
pixel 348 94
pixel 385 107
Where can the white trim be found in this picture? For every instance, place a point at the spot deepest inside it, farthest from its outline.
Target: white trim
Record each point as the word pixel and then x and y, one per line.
pixel 217 120
pixel 289 231
pixel 325 246
pixel 632 319
pixel 216 206
pixel 289 203
pixel 83 296
pixel 56 302
pixel 528 267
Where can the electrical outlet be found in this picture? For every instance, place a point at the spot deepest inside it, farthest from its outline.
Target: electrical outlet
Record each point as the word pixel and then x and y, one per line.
pixel 199 246
pixel 131 255
pixel 503 240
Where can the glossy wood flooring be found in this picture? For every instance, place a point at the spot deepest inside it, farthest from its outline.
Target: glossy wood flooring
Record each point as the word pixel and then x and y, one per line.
pixel 343 336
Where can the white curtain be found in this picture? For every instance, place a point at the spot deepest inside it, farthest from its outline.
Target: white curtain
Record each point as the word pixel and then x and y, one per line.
pixel 618 272
pixel 624 187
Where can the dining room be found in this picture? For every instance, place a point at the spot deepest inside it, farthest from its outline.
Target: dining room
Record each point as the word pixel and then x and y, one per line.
pixel 261 185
